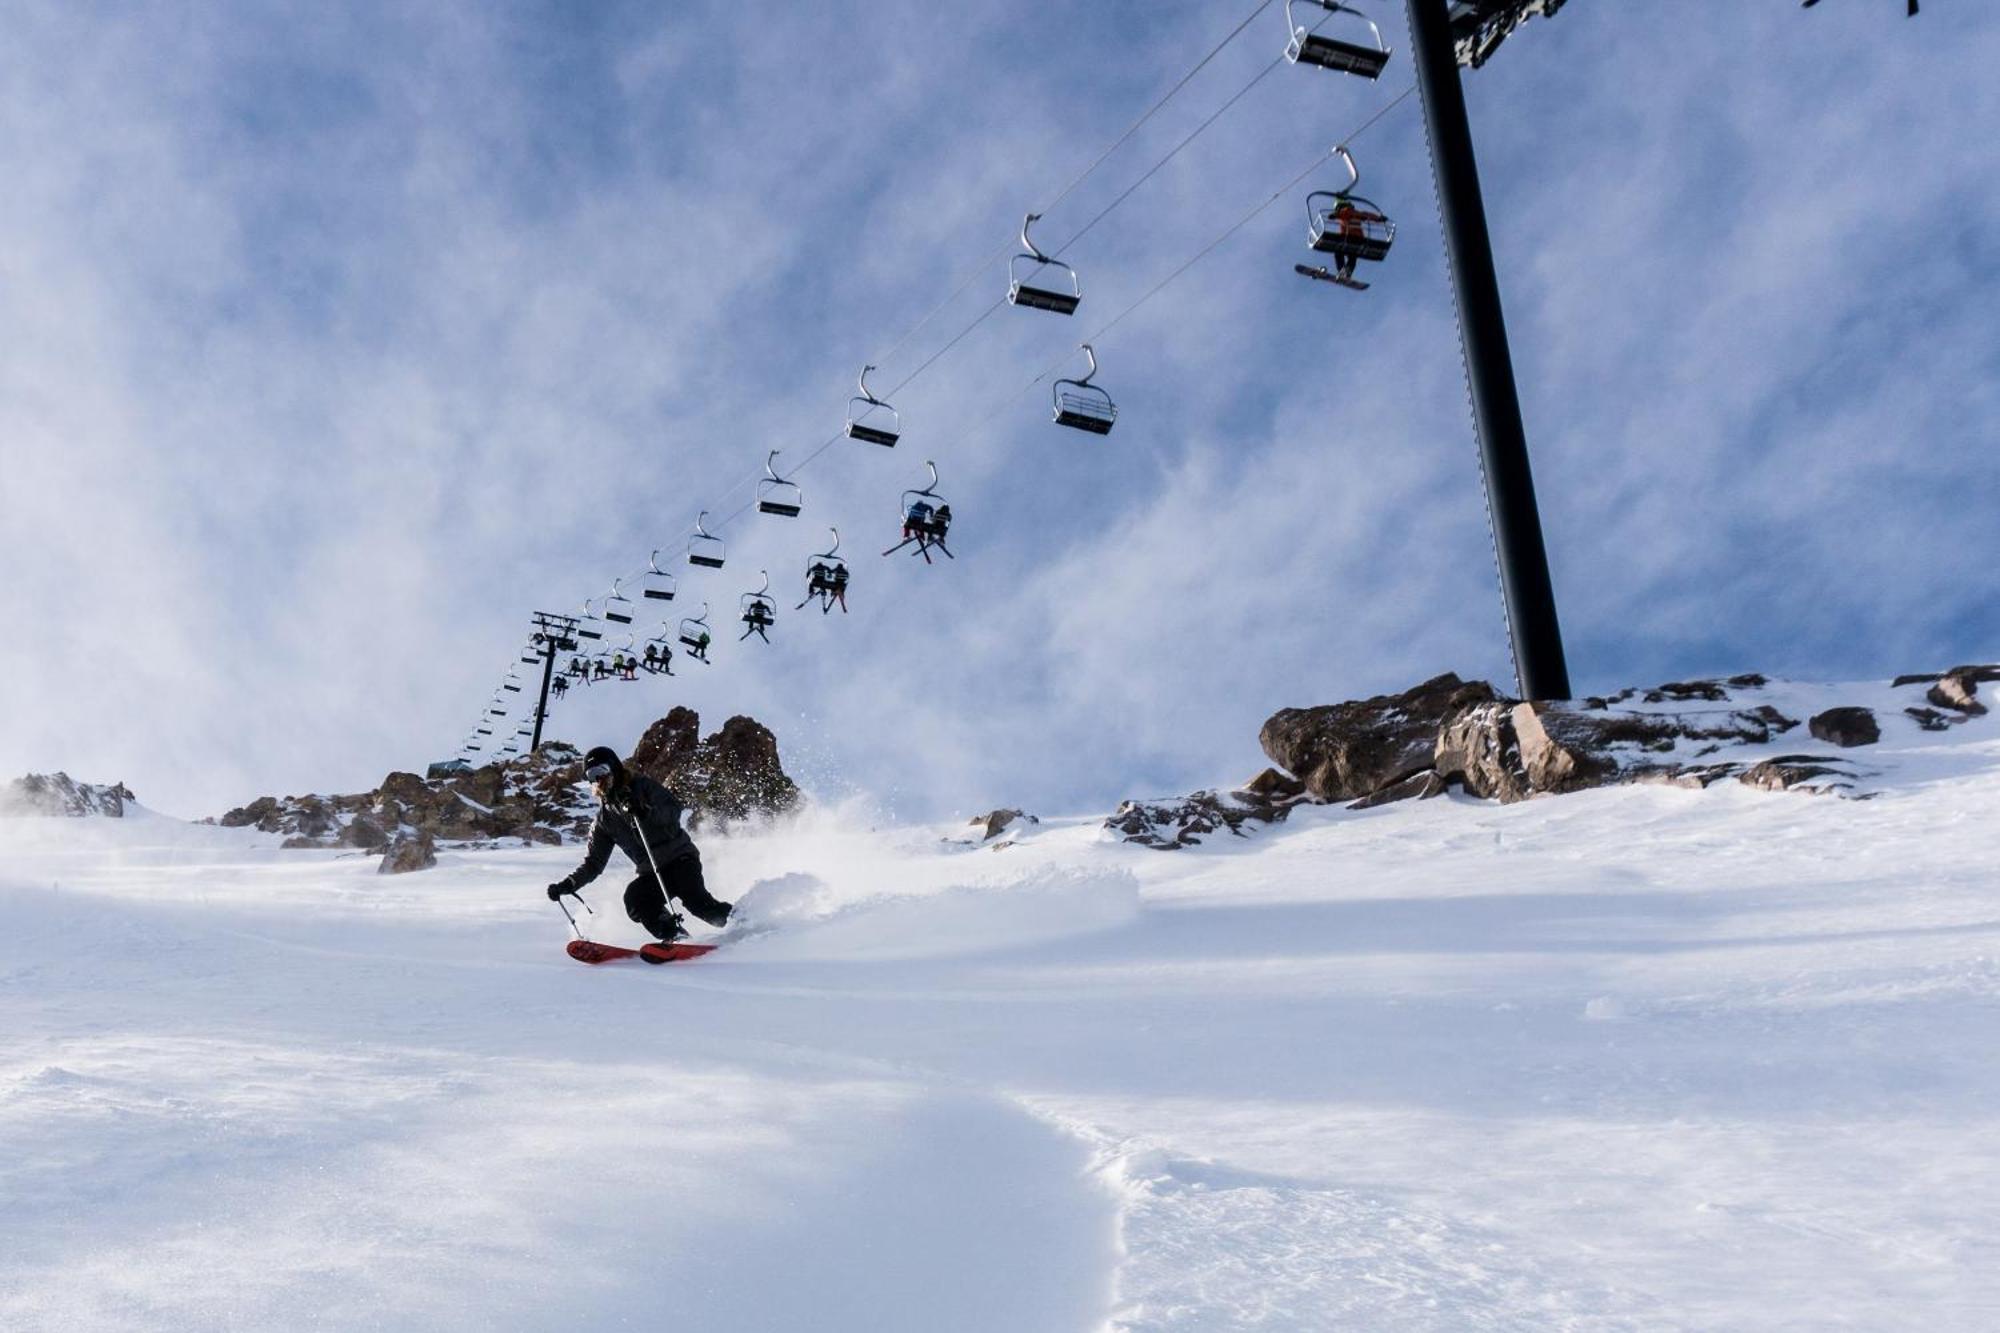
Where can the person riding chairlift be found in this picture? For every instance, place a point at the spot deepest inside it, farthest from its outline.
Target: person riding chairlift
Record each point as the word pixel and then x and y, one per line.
pixel 758 619
pixel 917 520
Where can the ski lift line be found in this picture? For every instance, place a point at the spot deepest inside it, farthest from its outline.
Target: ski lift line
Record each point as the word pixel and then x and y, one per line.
pixel 1069 349
pixel 1117 319
pixel 971 277
pixel 988 313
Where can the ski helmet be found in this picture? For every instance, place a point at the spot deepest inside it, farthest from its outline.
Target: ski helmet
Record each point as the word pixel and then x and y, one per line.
pixel 602 762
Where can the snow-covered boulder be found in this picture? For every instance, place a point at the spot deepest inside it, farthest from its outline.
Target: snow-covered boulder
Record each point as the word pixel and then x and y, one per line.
pixel 62 796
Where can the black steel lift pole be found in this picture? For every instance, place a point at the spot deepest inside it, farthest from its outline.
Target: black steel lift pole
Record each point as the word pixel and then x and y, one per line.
pixel 1540 670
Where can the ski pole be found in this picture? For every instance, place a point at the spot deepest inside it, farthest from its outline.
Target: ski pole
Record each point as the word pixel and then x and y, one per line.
pixel 572 920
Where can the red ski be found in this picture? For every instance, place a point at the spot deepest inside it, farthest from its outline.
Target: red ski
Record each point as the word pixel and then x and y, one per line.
pixel 590 951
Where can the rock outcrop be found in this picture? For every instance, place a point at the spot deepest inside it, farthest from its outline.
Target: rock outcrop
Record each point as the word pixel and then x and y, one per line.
pixel 537 798
pixel 411 851
pixel 730 776
pixel 1345 751
pixel 1449 732
pixel 1187 821
pixel 62 796
pixel 995 822
pixel 1845 727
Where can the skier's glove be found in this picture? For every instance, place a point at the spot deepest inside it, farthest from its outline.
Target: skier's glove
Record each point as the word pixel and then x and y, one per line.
pixel 558 889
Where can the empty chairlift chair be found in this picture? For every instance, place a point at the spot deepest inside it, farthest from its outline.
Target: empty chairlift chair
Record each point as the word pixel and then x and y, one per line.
pixel 589 626
pixel 1034 290
pixel 777 496
pixel 705 549
pixel 1347 226
pixel 1345 50
pixel 1081 404
pixel 870 419
pixel 618 607
pixel 659 585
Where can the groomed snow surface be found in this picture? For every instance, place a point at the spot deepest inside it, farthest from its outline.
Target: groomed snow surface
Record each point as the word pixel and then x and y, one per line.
pixel 1642 1058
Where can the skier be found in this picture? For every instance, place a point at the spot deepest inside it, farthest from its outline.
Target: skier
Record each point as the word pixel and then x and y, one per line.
pixel 643 819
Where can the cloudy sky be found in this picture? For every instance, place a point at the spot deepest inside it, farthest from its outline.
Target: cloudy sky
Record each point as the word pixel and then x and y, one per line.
pixel 335 340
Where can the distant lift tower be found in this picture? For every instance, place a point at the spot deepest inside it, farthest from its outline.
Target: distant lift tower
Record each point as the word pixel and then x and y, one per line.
pixel 1443 35
pixel 553 634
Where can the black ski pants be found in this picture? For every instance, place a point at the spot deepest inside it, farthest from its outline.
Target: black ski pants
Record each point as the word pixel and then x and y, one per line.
pixel 646 897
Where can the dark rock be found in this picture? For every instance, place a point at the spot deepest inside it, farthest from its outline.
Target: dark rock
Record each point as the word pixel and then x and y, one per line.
pixel 261 813
pixel 1749 680
pixel 1846 727
pixel 732 775
pixel 365 833
pixel 1418 786
pixel 59 795
pixel 1171 825
pixel 999 821
pixel 668 746
pixel 1800 772
pixel 1929 719
pixel 1345 751
pixel 1275 784
pixel 1688 689
pixel 417 851
pixel 1921 678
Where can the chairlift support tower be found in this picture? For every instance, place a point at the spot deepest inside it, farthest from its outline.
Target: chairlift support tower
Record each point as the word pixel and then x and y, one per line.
pixel 557 634
pixel 1441 31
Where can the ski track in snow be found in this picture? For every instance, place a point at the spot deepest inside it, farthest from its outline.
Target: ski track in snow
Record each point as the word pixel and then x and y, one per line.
pixel 1642 1058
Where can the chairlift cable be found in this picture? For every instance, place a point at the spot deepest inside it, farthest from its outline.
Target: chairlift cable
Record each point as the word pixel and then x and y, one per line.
pixel 881 358
pixel 1069 348
pixel 1216 115
pixel 988 313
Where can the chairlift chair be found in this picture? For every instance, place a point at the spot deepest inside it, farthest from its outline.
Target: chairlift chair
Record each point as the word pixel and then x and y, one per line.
pixel 1310 47
pixel 1024 293
pixel 758 611
pixel 694 634
pixel 705 549
pixel 482 731
pixel 661 650
pixel 926 520
pixel 660 585
pixel 1347 226
pixel 865 404
pixel 1083 405
pixel 777 496
pixel 589 627
pixel 826 578
pixel 617 606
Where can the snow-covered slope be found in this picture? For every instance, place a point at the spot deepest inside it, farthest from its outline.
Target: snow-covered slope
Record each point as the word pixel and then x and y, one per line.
pixel 1637 1058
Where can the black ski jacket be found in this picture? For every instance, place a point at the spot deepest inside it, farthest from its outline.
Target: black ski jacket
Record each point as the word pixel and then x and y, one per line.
pixel 641 809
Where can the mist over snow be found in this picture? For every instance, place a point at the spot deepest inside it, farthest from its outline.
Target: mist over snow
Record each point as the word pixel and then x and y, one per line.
pixel 335 341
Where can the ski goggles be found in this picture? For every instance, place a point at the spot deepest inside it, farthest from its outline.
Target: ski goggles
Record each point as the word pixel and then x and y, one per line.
pixel 598 772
